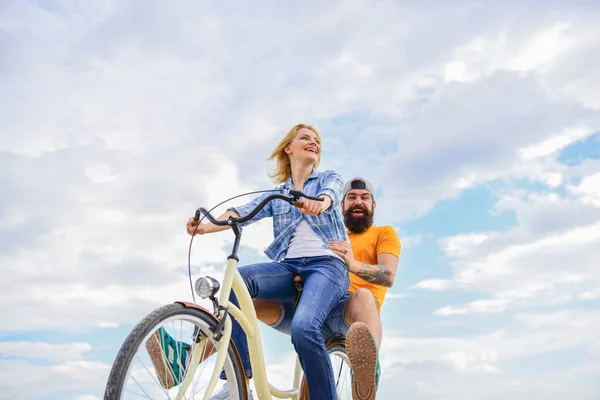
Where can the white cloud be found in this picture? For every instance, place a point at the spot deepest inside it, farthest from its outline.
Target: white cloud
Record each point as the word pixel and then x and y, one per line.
pixel 528 271
pixel 21 378
pixel 461 245
pixel 588 189
pixel 477 306
pixel 556 143
pixel 433 284
pixel 542 49
pixel 397 295
pixel 45 351
pixel 423 365
pixel 441 159
pixel 411 241
pixel 549 259
pixel 117 120
pixel 592 294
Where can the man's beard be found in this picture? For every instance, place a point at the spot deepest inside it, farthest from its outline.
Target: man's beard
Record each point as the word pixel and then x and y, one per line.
pixel 356 224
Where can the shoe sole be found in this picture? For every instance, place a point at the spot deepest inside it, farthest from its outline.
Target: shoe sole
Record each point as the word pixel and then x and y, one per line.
pixel 160 364
pixel 362 354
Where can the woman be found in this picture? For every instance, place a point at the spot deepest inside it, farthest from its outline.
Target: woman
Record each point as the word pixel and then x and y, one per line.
pixel 300 248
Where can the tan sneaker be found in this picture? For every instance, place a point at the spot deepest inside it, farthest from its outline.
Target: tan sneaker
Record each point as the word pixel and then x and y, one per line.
pixel 361 349
pixel 168 356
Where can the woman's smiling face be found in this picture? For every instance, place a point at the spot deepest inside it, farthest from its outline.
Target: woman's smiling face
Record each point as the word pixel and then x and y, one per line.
pixel 305 146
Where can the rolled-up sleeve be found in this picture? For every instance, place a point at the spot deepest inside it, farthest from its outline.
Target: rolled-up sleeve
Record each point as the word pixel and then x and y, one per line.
pixel 266 211
pixel 331 185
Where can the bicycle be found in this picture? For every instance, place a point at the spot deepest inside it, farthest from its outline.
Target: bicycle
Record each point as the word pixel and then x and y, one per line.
pixel 203 327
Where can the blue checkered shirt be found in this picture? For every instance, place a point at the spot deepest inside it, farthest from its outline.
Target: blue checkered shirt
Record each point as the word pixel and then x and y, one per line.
pixel 329 226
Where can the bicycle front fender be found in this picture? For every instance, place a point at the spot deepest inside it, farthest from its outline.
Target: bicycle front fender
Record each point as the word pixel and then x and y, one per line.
pixel 198 307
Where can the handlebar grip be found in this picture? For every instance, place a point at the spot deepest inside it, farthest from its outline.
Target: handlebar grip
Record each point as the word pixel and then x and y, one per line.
pixel 212 219
pixel 300 204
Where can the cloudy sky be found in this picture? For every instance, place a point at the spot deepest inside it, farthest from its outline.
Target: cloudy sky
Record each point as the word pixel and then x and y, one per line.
pixel 478 123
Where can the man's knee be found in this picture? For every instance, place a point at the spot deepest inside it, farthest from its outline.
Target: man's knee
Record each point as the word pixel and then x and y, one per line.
pixel 360 302
pixel 267 311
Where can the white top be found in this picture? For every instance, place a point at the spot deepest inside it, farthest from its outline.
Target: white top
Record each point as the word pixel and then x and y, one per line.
pixel 306 243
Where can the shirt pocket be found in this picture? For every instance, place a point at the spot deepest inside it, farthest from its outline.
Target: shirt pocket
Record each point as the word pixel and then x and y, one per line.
pixel 281 207
pixel 282 215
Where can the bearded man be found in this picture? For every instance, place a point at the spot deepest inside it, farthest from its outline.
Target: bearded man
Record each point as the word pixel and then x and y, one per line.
pixel 372 259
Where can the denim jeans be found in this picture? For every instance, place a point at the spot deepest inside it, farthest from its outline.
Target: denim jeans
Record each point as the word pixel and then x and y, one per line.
pixel 325 282
pixel 335 324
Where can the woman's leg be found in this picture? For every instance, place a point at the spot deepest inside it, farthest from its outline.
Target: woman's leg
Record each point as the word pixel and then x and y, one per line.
pixel 269 281
pixel 325 282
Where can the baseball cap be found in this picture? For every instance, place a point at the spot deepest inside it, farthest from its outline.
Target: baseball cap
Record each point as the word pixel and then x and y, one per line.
pixel 357 183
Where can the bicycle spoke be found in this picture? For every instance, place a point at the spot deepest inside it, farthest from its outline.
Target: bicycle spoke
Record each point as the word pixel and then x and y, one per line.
pixel 338 378
pixel 137 394
pixel 140 386
pixel 178 353
pixel 152 375
pixel 202 367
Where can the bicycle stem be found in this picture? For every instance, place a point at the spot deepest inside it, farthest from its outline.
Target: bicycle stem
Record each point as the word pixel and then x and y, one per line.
pixel 237 230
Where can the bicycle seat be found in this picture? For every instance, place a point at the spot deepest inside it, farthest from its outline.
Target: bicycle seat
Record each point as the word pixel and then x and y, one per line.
pixel 299 283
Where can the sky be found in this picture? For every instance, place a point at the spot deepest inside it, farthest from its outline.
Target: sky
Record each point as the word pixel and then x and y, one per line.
pixel 478 123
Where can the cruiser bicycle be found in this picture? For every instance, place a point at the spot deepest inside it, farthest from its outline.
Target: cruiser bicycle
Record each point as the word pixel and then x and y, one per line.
pixel 205 338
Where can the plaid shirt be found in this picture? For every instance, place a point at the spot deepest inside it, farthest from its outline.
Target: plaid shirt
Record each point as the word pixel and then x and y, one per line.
pixel 329 226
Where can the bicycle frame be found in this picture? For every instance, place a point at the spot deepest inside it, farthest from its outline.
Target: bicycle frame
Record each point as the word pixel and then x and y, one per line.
pixel 246 317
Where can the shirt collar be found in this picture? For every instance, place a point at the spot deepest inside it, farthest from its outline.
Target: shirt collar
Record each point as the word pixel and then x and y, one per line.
pixel 314 174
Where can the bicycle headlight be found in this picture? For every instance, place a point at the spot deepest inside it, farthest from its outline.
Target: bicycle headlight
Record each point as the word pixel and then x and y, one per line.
pixel 207 286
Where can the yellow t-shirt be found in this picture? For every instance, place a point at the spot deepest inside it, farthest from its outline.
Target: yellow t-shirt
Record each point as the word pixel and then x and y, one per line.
pixel 366 246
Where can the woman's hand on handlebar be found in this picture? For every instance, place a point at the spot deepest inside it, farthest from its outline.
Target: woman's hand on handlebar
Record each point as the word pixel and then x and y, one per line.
pixel 209 227
pixel 191 227
pixel 314 207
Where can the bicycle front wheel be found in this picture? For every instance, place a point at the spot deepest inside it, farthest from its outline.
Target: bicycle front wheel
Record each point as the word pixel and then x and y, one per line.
pixel 155 358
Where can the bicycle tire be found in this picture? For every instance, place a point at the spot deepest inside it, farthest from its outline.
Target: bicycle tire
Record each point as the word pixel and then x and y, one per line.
pixel 134 341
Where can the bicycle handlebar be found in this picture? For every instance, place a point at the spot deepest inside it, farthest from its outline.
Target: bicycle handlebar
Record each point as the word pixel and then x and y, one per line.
pixel 293 198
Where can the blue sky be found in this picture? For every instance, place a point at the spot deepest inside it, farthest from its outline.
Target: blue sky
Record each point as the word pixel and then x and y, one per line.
pixel 478 124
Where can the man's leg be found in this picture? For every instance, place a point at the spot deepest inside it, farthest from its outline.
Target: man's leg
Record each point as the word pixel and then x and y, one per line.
pixel 362 307
pixel 362 343
pixel 267 311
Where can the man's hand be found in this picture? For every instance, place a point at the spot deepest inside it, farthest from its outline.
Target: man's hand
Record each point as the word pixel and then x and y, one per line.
pixel 191 227
pixel 344 250
pixel 382 273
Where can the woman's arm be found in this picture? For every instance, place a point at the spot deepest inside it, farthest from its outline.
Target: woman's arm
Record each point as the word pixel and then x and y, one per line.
pixel 332 186
pixel 236 212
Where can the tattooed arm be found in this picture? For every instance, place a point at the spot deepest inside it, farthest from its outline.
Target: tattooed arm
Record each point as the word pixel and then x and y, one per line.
pixel 388 251
pixel 381 274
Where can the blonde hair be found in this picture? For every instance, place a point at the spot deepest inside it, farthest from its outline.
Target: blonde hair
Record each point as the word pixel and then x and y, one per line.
pixel 283 169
